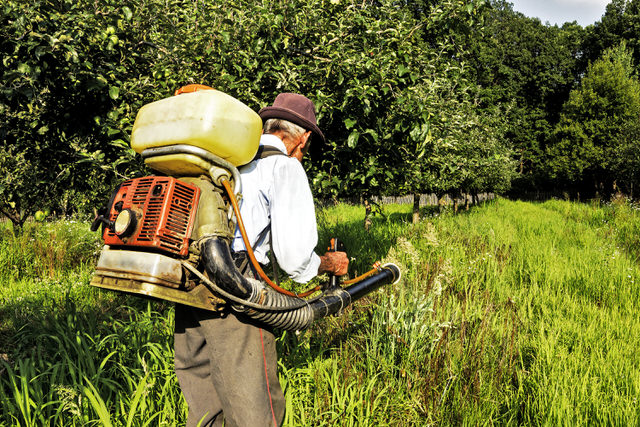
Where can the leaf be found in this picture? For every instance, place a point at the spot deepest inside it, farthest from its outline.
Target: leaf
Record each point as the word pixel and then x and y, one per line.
pixel 97 403
pixel 352 141
pixel 114 92
pixel 349 123
pixel 127 13
pixel 138 394
pixel 120 144
pixel 24 68
pixel 373 134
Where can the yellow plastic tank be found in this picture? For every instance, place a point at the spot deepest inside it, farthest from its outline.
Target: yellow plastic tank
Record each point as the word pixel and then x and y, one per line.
pixel 208 119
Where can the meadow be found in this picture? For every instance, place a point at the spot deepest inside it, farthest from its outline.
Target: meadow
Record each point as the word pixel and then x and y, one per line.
pixel 510 313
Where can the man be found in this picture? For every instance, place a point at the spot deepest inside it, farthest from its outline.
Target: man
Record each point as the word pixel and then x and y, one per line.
pixel 226 363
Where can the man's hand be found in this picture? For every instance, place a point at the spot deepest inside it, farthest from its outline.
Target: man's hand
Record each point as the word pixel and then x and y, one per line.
pixel 334 263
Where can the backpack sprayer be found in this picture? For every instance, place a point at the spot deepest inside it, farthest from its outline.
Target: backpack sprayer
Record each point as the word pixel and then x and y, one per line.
pixel 169 236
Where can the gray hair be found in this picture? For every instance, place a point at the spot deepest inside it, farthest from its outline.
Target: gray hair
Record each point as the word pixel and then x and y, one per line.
pixel 274 125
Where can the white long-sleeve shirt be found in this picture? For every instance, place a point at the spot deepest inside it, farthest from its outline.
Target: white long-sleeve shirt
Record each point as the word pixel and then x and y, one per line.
pixel 275 191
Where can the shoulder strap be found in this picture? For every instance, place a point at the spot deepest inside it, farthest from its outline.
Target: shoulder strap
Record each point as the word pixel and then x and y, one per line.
pixel 266 151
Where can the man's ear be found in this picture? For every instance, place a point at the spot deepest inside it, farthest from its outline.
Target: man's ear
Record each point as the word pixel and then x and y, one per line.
pixel 305 139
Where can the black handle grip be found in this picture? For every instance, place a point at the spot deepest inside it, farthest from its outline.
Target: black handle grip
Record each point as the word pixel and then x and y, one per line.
pixel 101 220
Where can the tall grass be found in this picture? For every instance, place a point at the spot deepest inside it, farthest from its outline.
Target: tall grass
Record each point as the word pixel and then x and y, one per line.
pixel 45 249
pixel 511 313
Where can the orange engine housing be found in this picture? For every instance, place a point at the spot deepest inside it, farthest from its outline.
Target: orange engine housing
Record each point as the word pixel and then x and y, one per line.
pixel 164 209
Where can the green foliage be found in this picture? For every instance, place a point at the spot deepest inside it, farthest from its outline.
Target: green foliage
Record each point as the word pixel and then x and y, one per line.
pixel 528 68
pixel 626 161
pixel 392 94
pixel 592 135
pixel 429 96
pixel 620 23
pixel 63 67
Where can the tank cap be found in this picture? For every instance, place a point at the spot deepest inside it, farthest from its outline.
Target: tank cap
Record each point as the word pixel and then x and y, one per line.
pixel 191 88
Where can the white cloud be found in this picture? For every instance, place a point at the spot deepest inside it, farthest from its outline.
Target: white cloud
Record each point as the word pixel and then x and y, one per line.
pixel 585 12
pixel 590 3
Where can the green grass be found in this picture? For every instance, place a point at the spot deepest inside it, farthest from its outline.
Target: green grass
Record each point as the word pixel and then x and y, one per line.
pixel 511 313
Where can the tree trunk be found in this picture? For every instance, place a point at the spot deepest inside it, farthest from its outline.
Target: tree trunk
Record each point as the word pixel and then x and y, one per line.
pixel 17 219
pixel 416 208
pixel 599 190
pixel 367 214
pixel 441 202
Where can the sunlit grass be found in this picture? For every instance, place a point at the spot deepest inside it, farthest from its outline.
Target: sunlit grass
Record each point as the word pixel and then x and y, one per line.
pixel 511 313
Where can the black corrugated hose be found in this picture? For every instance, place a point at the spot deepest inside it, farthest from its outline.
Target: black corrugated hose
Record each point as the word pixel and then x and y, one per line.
pixel 279 310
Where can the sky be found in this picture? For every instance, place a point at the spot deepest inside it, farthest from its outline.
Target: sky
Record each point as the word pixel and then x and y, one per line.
pixel 585 12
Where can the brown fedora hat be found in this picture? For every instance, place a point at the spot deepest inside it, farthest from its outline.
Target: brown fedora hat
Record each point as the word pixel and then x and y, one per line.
pixel 295 108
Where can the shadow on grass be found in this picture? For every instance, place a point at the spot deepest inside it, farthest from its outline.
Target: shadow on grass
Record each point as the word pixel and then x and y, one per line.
pixel 109 345
pixel 363 247
pixel 26 323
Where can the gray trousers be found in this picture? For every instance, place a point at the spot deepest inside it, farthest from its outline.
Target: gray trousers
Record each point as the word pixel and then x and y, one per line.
pixel 227 369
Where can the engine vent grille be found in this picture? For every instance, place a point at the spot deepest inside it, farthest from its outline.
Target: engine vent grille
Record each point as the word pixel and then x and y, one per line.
pixel 165 209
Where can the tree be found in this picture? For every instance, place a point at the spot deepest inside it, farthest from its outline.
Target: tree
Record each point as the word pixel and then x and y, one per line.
pixel 74 75
pixel 393 94
pixel 599 113
pixel 60 86
pixel 626 162
pixel 621 22
pixel 528 68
